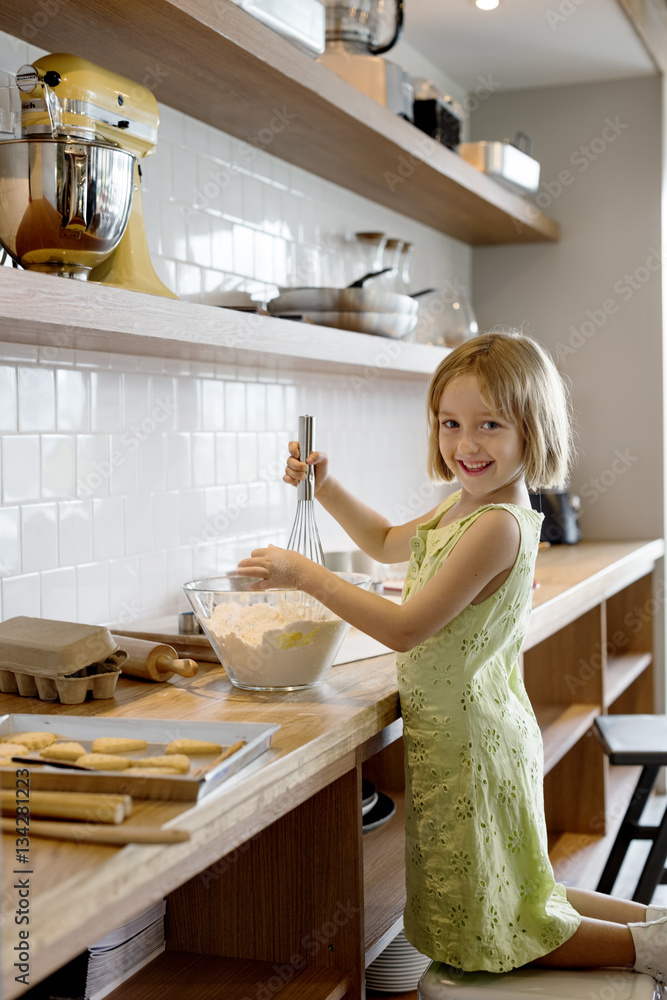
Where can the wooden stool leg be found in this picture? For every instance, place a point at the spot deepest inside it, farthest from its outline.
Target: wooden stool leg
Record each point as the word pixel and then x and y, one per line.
pixel 628 829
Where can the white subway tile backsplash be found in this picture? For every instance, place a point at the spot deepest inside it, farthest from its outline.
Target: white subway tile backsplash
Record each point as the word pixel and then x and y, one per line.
pixel 188 404
pixel 36 399
pixel 193 528
pixel 72 400
pixel 227 469
pixel 124 462
pixel 135 399
pixel 138 523
pixel 10 541
pixel 124 591
pixel 93 465
pixel 108 525
pixel 75 531
pixel 153 582
pixel 203 459
pixel 58 465
pixel 59 594
pixel 21 596
pixel 199 239
pixel 92 581
pixel 106 400
pixel 184 164
pixel 179 571
pixel 173 237
pixel 235 406
pixel 188 281
pixel 152 463
pixel 39 537
pixel 8 397
pixel 179 462
pixel 18 352
pixel 21 479
pixel 247 457
pixel 165 519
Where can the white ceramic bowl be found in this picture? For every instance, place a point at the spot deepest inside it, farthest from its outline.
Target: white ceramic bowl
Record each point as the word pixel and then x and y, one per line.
pixel 269 640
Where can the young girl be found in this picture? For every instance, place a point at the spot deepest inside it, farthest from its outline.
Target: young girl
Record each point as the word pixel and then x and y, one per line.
pixel 480 888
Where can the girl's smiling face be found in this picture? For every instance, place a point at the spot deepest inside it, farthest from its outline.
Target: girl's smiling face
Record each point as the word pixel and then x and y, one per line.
pixel 481 447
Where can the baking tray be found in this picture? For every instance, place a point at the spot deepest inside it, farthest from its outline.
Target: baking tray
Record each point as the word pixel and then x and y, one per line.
pixel 157 732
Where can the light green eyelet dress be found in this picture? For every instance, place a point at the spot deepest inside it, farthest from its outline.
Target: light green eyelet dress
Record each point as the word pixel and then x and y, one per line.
pixel 480 888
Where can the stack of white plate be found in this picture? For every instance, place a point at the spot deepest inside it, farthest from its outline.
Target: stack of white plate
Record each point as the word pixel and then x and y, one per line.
pixel 398 969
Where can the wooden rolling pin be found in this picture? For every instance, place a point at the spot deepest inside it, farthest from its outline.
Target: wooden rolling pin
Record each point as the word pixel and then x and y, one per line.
pixel 84 834
pixel 154 661
pixel 93 807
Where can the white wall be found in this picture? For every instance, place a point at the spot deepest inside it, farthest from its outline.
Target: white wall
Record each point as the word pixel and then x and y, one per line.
pixel 595 297
pixel 124 477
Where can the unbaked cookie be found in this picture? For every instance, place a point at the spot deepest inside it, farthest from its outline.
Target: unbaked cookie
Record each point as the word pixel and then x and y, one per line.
pixel 104 761
pixel 117 744
pixel 33 741
pixel 192 747
pixel 175 762
pixel 63 751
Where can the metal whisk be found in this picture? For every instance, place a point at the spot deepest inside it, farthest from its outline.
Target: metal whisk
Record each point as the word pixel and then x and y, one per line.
pixel 305 537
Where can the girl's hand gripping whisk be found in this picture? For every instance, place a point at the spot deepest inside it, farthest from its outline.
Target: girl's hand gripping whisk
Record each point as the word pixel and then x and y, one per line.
pixel 305 537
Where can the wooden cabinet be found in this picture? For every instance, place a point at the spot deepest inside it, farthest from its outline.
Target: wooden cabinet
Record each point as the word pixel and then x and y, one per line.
pixel 278 889
pixel 599 660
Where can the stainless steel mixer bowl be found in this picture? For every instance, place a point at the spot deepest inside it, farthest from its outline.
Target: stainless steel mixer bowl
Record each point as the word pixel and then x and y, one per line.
pixel 64 204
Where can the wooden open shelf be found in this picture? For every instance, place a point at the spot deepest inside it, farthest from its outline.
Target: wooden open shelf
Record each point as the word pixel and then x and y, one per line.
pixel 212 60
pixel 562 727
pixel 622 671
pixel 578 858
pixel 384 898
pixel 182 976
pixel 55 313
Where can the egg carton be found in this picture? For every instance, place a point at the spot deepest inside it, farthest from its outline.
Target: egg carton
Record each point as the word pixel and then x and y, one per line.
pixel 69 690
pixel 53 660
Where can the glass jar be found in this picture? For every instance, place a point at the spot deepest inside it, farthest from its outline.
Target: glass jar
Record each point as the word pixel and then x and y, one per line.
pixel 391 259
pixel 368 253
pixel 403 283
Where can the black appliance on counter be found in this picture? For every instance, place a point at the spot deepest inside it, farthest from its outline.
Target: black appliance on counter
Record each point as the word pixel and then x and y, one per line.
pixel 561 512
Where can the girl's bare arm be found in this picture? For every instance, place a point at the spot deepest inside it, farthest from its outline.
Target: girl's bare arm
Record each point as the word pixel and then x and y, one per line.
pixel 478 563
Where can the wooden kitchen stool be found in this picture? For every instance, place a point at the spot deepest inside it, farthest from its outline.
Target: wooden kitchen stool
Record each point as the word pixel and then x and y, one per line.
pixel 636 739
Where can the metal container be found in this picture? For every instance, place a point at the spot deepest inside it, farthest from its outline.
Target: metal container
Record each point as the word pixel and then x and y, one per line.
pixel 64 204
pixel 505 162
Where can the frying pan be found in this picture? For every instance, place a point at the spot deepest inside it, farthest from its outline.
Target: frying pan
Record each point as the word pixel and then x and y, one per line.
pixel 354 298
pixel 384 324
pixel 347 300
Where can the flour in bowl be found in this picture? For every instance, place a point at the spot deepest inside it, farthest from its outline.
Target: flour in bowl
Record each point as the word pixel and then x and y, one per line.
pixel 285 645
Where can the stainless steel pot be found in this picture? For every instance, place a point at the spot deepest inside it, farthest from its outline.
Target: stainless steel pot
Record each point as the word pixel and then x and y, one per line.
pixel 346 300
pixel 64 204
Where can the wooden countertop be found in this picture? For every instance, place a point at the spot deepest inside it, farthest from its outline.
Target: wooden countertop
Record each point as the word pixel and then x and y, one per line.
pixel 324 732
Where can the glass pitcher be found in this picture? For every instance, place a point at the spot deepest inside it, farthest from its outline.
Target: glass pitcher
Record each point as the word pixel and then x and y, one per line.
pixel 358 25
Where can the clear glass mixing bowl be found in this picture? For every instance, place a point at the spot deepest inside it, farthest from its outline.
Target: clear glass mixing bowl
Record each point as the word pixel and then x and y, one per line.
pixel 269 640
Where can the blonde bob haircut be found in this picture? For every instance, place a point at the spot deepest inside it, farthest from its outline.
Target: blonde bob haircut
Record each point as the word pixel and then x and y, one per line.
pixel 519 380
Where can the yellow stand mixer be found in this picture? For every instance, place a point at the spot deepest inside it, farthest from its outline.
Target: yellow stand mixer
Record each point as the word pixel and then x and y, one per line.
pixel 70 183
